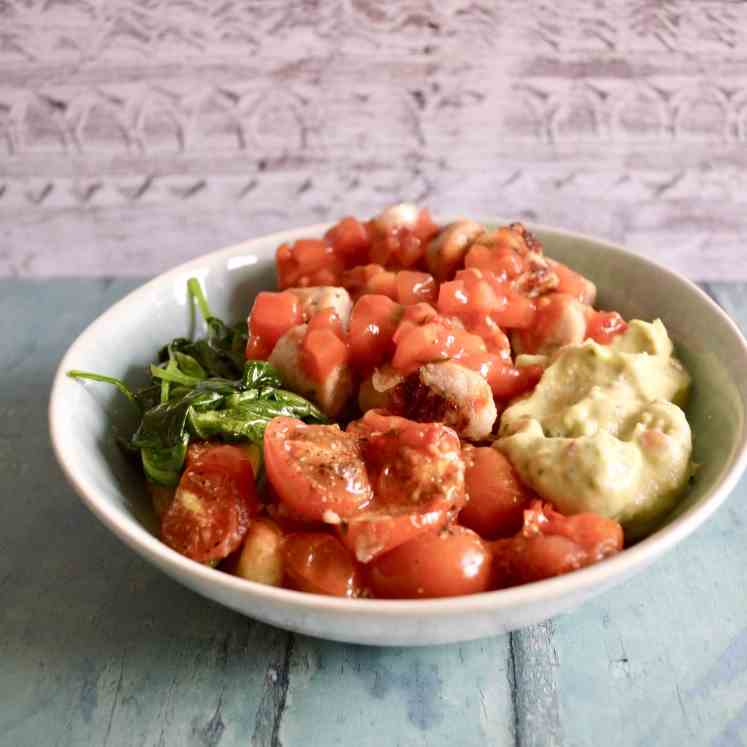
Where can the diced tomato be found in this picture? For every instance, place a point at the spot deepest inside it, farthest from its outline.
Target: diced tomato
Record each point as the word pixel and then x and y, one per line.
pixel 414 287
pixel 402 246
pixel 506 380
pixel 417 476
pixel 449 563
pixel 573 283
pixel 316 470
pixel 550 544
pixel 213 504
pixel 272 315
pixel 433 341
pixel 373 322
pixel 327 319
pixel 322 351
pixel 318 563
pixel 604 326
pixel 370 279
pixel 476 294
pixel 497 497
pixel 350 240
pixel 308 262
pixel 503 261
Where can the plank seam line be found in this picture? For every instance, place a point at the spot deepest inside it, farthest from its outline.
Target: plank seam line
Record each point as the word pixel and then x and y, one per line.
pixel 513 683
pixel 282 684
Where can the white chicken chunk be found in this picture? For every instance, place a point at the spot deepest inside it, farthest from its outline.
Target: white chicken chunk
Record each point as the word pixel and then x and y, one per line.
pixel 561 320
pixel 404 215
pixel 443 391
pixel 331 395
pixel 318 298
pixel 446 252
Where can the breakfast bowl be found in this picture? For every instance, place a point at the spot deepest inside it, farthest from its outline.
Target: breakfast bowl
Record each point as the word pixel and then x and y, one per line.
pixel 85 420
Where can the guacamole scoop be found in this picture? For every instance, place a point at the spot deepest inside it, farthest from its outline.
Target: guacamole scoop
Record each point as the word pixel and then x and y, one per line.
pixel 604 431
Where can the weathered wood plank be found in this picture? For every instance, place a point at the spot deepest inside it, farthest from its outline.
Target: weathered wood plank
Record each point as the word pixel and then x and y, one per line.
pixel 97 647
pixel 443 695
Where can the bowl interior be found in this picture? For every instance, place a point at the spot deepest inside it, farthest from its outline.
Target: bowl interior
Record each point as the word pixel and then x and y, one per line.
pixel 124 340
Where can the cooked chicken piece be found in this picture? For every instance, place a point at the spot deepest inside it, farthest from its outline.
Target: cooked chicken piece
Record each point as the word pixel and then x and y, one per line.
pixel 331 394
pixel 404 215
pixel 443 391
pixel 322 297
pixel 529 271
pixel 561 320
pixel 445 254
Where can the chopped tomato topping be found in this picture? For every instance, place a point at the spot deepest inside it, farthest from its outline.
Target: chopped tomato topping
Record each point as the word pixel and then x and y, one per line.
pixel 272 315
pixel 402 246
pixel 322 351
pixel 414 287
pixel 373 323
pixel 351 241
pixel 308 262
pixel 604 326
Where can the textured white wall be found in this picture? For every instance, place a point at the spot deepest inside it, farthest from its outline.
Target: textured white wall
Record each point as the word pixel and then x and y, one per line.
pixel 138 133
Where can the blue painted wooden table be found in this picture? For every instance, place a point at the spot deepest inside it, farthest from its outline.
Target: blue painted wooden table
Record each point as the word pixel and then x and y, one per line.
pixel 97 647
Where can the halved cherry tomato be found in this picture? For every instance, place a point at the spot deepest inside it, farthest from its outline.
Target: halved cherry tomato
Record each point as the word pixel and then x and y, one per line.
pixel 551 544
pixel 316 470
pixel 417 476
pixel 497 498
pixel 213 504
pixel 449 563
pixel 272 315
pixel 318 563
pixel 373 323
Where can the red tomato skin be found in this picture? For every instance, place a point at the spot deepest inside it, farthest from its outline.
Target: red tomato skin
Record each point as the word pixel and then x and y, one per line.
pixel 573 283
pixel 315 469
pixel 373 322
pixel 351 241
pixel 318 563
pixel 497 497
pixel 322 352
pixel 604 326
pixel 415 287
pixel 272 315
pixel 450 563
pixel 306 263
pixel 213 504
pixel 417 476
pixel 550 544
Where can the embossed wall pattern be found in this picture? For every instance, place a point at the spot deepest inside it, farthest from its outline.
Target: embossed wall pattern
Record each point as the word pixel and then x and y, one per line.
pixel 137 134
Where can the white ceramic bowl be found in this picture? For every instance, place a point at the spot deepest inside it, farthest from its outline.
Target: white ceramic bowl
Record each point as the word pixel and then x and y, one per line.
pixel 124 339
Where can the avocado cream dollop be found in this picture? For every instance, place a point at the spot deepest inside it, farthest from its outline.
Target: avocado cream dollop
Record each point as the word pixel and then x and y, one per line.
pixel 604 431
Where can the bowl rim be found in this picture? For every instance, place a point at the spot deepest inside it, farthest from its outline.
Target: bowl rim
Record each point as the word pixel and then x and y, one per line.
pixel 137 537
